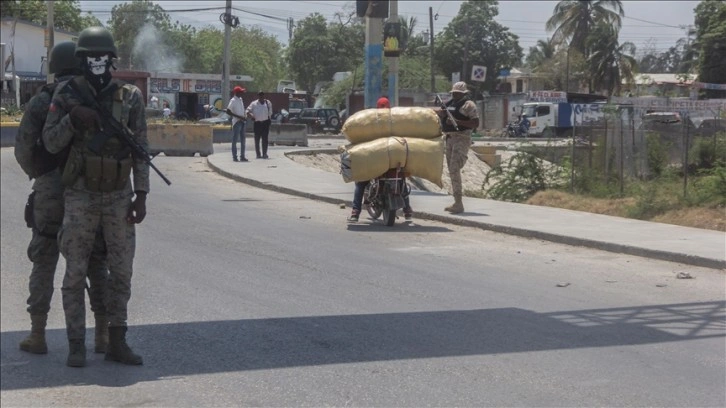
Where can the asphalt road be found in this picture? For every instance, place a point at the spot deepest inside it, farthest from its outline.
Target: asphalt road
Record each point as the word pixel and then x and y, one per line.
pixel 245 297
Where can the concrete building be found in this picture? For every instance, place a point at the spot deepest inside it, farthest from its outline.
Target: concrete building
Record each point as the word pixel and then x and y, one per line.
pixel 27 41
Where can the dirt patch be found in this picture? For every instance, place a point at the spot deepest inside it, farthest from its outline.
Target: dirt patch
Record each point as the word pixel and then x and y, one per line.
pixel 475 170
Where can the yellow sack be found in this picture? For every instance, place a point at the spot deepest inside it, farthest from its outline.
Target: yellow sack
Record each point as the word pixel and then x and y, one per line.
pixel 419 157
pixel 404 121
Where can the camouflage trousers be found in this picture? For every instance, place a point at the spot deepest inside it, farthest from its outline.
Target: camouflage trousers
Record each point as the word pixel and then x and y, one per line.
pixel 43 249
pixel 457 152
pixel 85 212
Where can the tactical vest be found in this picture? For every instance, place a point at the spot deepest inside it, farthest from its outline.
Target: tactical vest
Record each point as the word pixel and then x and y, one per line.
pixel 110 168
pixel 456 114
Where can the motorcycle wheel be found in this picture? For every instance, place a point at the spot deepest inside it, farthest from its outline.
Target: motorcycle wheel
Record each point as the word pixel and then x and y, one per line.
pixel 372 209
pixel 389 217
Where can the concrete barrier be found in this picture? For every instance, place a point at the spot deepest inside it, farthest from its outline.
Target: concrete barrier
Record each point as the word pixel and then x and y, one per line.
pixel 488 154
pixel 288 134
pixel 180 139
pixel 8 132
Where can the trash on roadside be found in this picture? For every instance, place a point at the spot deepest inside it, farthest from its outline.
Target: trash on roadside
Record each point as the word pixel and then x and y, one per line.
pixel 563 284
pixel 342 206
pixel 684 275
pixel 661 285
pixel 304 217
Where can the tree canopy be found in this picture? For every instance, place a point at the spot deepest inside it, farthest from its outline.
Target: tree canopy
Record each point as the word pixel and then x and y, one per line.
pixel 473 37
pixel 66 13
pixel 711 37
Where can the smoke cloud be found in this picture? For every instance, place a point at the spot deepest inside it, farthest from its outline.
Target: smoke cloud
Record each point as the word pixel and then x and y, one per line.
pixel 152 54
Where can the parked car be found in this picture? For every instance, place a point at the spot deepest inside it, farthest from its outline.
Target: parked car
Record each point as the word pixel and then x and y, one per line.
pixel 319 120
pixel 221 119
pixel 710 126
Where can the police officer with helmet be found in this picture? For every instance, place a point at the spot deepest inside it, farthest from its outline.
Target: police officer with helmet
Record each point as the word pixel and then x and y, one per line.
pixel 106 186
pixel 44 212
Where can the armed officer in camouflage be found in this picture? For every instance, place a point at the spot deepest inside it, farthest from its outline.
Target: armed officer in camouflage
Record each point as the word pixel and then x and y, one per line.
pixel 99 189
pixel 464 111
pixel 44 212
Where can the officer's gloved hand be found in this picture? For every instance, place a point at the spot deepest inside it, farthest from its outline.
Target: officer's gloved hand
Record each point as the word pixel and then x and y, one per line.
pixel 84 118
pixel 137 211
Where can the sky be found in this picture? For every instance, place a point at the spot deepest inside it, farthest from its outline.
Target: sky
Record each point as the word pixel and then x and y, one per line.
pixel 659 23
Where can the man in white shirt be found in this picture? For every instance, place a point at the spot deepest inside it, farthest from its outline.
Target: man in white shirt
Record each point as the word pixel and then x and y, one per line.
pixel 236 109
pixel 260 110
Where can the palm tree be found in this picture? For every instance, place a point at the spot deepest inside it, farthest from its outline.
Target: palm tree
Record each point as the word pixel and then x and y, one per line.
pixel 610 62
pixel 543 51
pixel 573 20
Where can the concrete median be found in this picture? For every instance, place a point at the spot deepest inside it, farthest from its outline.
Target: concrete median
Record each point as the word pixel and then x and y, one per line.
pixel 180 139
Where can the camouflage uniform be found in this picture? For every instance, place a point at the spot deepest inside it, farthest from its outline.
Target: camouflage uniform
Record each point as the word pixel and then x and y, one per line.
pixel 47 216
pixel 457 148
pixel 86 210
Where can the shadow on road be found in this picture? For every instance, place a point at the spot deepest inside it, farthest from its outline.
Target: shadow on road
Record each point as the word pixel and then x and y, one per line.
pixel 183 349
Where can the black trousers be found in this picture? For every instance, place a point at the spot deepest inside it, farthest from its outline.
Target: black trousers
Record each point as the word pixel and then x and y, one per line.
pixel 262 131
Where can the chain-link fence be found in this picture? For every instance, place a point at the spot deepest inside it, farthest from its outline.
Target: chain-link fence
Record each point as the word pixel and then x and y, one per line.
pixel 639 141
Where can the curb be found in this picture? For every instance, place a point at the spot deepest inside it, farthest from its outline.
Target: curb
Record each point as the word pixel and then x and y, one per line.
pixel 521 232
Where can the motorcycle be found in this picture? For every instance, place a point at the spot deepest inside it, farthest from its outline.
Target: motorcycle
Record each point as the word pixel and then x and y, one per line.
pixel 385 195
pixel 513 129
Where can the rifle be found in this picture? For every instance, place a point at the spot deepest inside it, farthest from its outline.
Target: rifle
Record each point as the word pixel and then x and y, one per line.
pixel 443 107
pixel 124 133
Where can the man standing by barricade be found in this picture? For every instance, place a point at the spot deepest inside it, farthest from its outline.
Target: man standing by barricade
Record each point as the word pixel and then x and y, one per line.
pixel 260 110
pixel 99 189
pixel 236 109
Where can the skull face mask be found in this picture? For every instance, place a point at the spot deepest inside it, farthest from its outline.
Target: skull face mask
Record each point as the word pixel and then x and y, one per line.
pixel 98 65
pixel 96 69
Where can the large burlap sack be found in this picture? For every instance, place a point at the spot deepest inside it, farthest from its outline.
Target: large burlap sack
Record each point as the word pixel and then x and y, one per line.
pixel 419 157
pixel 404 121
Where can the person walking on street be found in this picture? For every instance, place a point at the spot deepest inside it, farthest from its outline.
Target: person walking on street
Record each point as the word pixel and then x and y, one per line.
pixel 360 186
pixel 236 109
pixel 260 110
pixel 99 190
pixel 464 111
pixel 44 212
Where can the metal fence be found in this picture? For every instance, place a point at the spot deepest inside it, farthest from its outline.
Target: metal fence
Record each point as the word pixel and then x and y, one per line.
pixel 632 143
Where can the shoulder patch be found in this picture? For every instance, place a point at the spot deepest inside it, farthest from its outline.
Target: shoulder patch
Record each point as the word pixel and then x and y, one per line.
pixel 52 107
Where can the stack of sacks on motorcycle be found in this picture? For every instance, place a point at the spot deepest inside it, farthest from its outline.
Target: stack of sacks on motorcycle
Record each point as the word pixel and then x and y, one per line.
pixel 383 139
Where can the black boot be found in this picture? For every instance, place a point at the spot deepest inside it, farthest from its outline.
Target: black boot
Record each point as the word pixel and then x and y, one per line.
pixel 76 353
pixel 118 350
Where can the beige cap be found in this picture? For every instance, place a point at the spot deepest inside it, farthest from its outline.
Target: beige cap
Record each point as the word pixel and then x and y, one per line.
pixel 459 87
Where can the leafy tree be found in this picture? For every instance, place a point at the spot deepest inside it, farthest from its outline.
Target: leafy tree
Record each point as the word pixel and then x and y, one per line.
pixel 66 13
pixel 318 49
pixel 540 54
pixel 474 38
pixel 610 62
pixel 710 24
pixel 127 21
pixel 574 20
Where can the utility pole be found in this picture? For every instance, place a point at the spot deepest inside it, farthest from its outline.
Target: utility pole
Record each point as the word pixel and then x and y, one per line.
pixel 227 33
pixel 373 60
pixel 51 42
pixel 290 26
pixel 393 61
pixel 466 50
pixel 431 48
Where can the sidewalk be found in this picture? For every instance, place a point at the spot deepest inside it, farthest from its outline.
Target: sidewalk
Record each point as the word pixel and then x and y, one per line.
pixel 693 246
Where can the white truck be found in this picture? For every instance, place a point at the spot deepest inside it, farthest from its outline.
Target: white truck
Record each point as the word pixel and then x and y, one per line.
pixel 555 119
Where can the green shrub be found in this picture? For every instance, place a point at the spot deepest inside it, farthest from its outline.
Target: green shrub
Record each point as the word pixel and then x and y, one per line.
pixel 522 177
pixel 709 188
pixel 656 153
pixel 707 152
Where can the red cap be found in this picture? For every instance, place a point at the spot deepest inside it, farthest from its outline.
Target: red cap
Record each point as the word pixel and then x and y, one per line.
pixel 238 89
pixel 383 103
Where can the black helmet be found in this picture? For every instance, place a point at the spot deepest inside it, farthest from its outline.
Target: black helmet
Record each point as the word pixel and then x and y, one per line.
pixel 95 39
pixel 63 59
